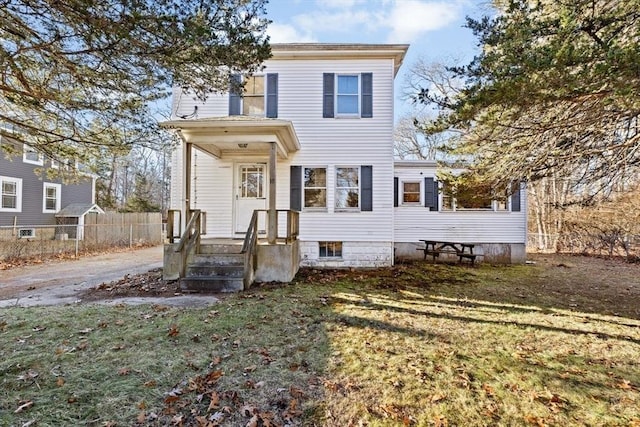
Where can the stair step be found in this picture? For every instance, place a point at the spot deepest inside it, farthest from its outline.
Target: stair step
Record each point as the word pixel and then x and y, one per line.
pixel 217 259
pixel 212 284
pixel 198 270
pixel 220 248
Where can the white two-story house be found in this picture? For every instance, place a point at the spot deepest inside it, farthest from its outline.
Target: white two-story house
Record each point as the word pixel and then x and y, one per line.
pixel 306 145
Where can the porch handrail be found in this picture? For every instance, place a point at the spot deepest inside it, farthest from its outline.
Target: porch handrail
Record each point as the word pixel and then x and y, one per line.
pixel 292 228
pixel 249 249
pixel 190 238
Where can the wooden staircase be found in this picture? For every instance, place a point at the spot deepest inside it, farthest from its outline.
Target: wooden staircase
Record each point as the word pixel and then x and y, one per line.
pixel 218 267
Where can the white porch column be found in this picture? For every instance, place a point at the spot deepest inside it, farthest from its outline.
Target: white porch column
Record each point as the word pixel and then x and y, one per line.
pixel 272 231
pixel 186 183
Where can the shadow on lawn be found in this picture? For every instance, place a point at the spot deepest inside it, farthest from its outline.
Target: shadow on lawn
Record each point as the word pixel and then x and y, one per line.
pixel 437 303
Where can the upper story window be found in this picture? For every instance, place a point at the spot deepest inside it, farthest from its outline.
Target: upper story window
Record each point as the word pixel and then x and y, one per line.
pixel 11 194
pixel 51 197
pixel 253 96
pixel 347 95
pixel 258 96
pixel 31 155
pixel 315 187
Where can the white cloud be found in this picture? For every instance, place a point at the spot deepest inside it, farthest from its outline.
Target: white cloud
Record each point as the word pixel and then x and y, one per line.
pixel 284 33
pixel 339 4
pixel 342 21
pixel 410 18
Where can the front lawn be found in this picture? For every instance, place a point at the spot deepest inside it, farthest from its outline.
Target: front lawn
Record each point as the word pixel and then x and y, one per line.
pixel 557 343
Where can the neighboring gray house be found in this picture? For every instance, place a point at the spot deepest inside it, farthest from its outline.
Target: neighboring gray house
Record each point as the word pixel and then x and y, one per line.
pixel 28 197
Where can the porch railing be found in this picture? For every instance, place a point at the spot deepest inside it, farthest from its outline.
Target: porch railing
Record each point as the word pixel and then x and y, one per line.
pixel 189 240
pixel 174 220
pixel 291 228
pixel 249 250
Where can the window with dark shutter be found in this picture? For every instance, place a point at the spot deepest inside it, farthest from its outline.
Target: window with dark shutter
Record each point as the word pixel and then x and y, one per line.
pixel 366 173
pixel 328 82
pixel 366 97
pixel 431 194
pixel 295 195
pixel 272 95
pixel 235 99
pixel 515 199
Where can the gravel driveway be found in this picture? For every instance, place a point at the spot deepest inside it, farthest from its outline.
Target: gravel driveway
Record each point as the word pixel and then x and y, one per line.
pixel 53 283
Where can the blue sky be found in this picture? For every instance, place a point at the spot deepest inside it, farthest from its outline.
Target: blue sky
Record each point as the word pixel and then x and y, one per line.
pixel 434 29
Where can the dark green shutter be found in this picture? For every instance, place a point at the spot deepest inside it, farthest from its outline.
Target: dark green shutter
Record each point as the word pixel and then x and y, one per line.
pixel 234 95
pixel 396 183
pixel 295 197
pixel 515 199
pixel 366 81
pixel 272 95
pixel 328 82
pixel 366 204
pixel 431 194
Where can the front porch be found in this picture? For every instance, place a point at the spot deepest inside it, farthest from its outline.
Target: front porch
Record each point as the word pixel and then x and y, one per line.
pixel 261 243
pixel 208 264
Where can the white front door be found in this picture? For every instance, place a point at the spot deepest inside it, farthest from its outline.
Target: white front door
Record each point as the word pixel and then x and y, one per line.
pixel 250 195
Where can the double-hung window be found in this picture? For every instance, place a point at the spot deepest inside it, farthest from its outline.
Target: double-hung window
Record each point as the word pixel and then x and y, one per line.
pixel 253 96
pixel 315 188
pixel 11 197
pixel 31 155
pixel 411 193
pixel 347 188
pixel 51 197
pixel 347 95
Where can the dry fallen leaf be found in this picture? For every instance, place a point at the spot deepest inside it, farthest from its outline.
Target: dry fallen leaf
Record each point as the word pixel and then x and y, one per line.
pixel 60 382
pixel 24 405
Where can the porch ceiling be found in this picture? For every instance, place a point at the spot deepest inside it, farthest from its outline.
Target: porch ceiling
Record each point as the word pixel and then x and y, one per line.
pixel 234 135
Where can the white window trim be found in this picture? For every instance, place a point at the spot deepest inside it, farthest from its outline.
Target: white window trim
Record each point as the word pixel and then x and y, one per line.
pixel 326 190
pixel 18 182
pixel 264 96
pixel 331 257
pixel 26 149
pixel 335 97
pixel 420 193
pixel 335 189
pixel 58 188
pixel 55 164
pixel 454 204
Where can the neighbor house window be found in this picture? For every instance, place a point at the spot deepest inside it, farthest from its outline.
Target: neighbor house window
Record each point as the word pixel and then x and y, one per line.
pixel 330 249
pixel 347 95
pixel 26 233
pixel 253 96
pixel 11 197
pixel 347 188
pixel 31 155
pixel 51 198
pixel 410 193
pixel 315 187
pixel 54 164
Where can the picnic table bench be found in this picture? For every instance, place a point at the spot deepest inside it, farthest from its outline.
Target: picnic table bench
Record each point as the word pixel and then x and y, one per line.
pixel 461 250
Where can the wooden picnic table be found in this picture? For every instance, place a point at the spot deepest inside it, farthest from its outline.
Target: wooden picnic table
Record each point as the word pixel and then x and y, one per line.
pixel 461 250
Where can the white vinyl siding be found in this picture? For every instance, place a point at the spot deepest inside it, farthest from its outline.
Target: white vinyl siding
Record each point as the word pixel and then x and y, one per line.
pixel 323 142
pixel 412 222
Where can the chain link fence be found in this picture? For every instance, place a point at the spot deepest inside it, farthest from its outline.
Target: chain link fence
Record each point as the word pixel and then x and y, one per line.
pixel 46 241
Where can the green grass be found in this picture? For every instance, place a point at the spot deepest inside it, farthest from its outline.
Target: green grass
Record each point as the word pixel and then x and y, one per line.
pixel 417 345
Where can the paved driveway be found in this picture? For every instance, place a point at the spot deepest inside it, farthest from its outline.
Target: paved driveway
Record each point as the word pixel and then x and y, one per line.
pixel 59 282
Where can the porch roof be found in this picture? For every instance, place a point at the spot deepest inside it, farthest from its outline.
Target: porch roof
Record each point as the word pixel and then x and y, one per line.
pixel 220 136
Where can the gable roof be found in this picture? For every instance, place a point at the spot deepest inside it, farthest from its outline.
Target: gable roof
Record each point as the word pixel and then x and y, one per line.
pixel 340 50
pixel 75 210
